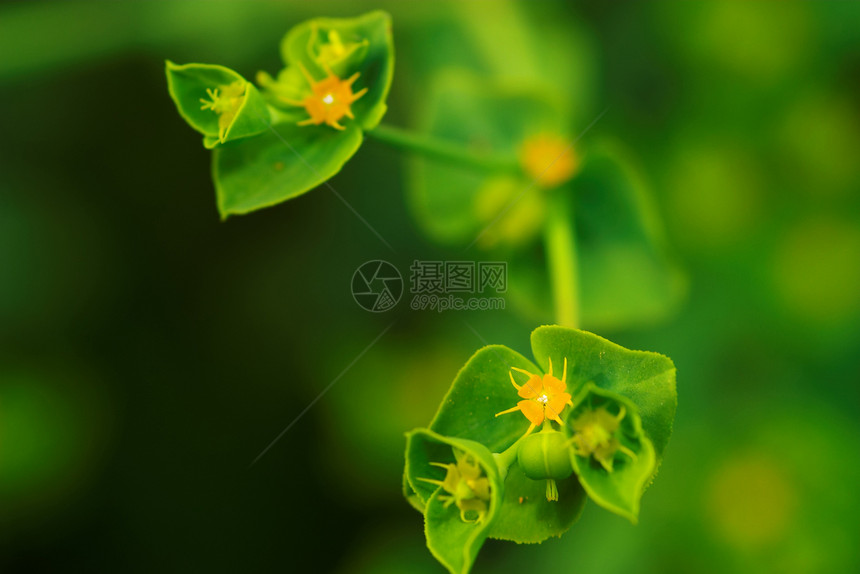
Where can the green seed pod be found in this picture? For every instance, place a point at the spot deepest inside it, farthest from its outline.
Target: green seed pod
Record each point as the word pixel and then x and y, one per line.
pixel 545 455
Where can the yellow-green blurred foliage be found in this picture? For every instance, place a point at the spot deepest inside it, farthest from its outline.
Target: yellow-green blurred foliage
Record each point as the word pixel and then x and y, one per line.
pixel 148 352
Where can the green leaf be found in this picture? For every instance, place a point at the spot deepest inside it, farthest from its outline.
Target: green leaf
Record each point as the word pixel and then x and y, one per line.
pixel 245 112
pixel 454 542
pixel 362 44
pixel 632 465
pixel 526 516
pixel 481 389
pixel 646 378
pixel 285 162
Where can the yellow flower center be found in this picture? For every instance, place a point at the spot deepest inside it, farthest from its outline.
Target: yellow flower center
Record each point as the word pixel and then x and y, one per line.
pixel 226 102
pixel 544 396
pixel 329 101
pixel 548 159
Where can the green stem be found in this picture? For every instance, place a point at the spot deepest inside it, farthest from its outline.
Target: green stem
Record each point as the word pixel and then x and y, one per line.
pixel 439 149
pixel 560 243
pixel 506 458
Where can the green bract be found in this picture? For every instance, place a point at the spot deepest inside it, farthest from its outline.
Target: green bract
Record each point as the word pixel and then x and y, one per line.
pixel 344 46
pixel 299 129
pixel 634 389
pixel 269 169
pixel 453 540
pixel 527 517
pixel 625 273
pixel 647 379
pixel 614 468
pixel 217 102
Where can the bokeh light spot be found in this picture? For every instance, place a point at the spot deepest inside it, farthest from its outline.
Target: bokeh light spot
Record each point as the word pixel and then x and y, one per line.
pixel 816 270
pixel 715 196
pixel 751 501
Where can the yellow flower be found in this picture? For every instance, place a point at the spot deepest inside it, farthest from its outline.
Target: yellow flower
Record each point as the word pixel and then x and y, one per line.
pixel 465 485
pixel 545 396
pixel 224 101
pixel 329 101
pixel 548 159
pixel 595 435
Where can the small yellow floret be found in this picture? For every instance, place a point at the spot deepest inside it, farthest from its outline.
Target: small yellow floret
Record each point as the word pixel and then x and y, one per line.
pixel 545 396
pixel 548 159
pixel 596 436
pixel 226 102
pixel 466 486
pixel 329 101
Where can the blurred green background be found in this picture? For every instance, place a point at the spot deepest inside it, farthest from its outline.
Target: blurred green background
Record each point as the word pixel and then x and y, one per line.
pixel 148 352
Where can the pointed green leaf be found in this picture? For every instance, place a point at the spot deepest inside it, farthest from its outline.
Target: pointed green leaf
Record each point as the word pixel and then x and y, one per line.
pixel 526 516
pixel 217 102
pixel 359 45
pixel 647 379
pixel 286 161
pixel 453 541
pixel 619 487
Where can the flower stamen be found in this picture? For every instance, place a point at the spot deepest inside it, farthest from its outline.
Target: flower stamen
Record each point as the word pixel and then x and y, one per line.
pixel 466 486
pixel 226 102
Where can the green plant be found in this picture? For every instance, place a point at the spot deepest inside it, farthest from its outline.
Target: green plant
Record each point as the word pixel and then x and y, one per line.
pixel 298 129
pixel 497 164
pixel 603 427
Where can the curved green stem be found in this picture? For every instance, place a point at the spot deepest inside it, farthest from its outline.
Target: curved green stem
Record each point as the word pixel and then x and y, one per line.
pixel 439 149
pixel 506 458
pixel 560 243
